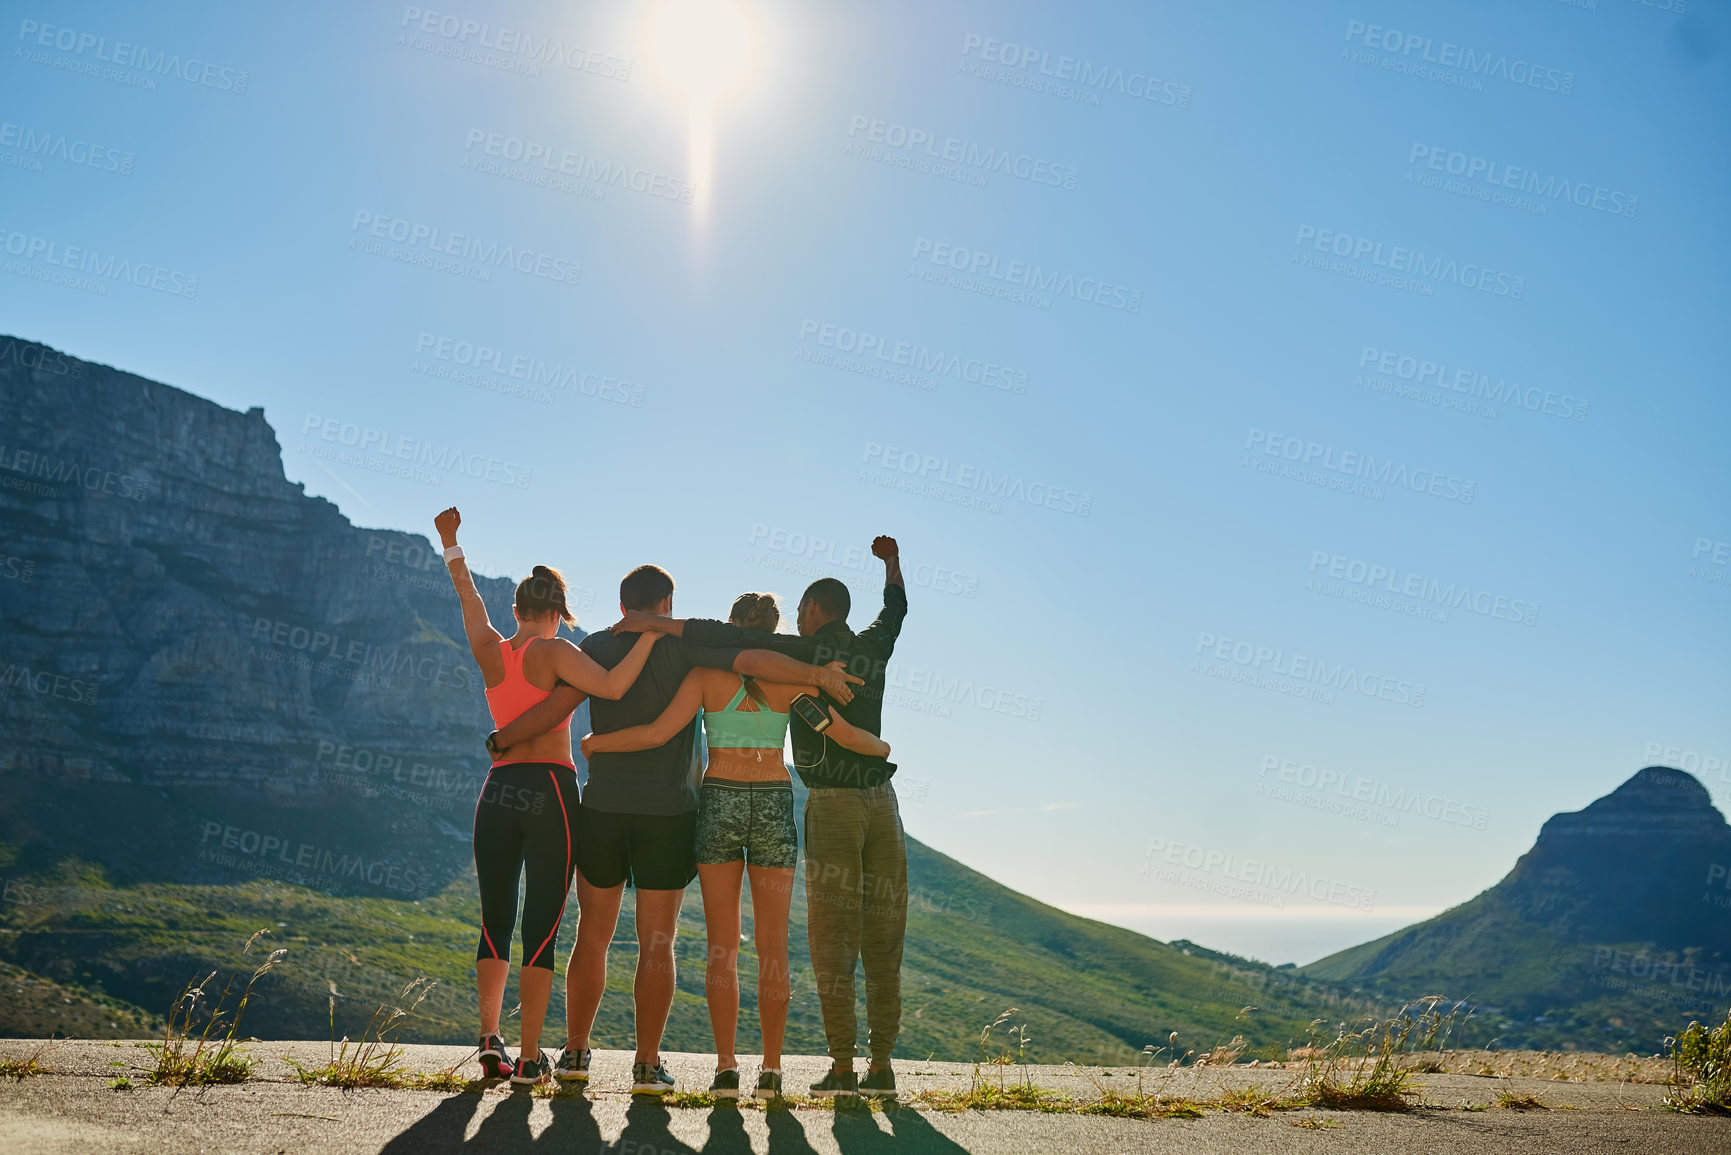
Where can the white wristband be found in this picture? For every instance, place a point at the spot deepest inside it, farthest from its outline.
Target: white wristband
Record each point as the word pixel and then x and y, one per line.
pixel 452 553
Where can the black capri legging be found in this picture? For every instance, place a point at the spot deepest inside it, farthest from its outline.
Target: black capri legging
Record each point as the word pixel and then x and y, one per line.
pixel 524 819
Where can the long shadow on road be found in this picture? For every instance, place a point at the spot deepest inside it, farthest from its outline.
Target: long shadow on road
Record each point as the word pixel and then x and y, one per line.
pixel 574 1130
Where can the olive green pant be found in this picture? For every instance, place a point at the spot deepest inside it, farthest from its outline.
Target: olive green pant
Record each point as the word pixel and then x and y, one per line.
pixel 856 891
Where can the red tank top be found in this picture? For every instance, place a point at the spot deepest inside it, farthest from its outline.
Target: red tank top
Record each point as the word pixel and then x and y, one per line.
pixel 515 694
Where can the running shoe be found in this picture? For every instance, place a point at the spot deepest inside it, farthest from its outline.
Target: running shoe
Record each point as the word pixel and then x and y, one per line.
pixel 531 1071
pixel 879 1083
pixel 573 1066
pixel 650 1079
pixel 768 1086
pixel 495 1063
pixel 838 1084
pixel 726 1085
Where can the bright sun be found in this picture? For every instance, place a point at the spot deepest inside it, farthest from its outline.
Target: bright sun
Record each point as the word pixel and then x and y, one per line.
pixel 701 53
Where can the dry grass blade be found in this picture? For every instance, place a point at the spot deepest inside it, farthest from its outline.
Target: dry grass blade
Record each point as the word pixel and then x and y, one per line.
pixel 1371 1069
pixel 211 1055
pixel 376 1060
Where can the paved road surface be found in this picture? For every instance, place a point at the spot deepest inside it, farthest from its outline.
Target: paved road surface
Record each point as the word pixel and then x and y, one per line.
pixel 73 1109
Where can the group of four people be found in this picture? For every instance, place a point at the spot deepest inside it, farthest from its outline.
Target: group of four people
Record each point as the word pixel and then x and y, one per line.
pixel 652 816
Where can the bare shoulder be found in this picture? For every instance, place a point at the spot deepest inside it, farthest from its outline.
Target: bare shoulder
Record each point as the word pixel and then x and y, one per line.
pixel 718 686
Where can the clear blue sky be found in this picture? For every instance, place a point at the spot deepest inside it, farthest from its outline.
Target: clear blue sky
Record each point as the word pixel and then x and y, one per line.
pixel 1069 688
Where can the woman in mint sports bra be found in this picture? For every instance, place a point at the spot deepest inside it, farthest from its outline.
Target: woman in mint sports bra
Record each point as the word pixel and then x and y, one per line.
pixel 744 823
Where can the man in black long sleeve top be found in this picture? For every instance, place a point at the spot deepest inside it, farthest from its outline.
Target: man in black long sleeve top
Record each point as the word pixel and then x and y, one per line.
pixel 856 863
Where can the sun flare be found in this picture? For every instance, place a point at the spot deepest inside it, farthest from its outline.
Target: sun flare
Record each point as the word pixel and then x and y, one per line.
pixel 701 54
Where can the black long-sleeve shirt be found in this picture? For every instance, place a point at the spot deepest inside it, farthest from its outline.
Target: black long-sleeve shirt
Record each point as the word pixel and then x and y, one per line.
pixel 822 762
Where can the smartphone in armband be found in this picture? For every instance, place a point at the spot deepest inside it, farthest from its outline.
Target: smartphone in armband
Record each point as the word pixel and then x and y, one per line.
pixel 812 713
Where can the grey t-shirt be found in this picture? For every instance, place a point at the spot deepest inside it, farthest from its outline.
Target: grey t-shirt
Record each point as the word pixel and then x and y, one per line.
pixel 662 780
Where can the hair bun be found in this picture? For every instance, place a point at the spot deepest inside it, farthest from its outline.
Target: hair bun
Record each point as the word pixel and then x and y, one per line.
pixel 543 591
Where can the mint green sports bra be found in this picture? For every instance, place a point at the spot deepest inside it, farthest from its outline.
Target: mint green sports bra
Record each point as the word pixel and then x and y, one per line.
pixel 761 728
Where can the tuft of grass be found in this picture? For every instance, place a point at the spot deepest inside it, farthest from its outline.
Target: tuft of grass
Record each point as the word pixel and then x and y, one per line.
pixel 1254 1101
pixel 24 1068
pixel 1142 1106
pixel 120 1083
pixel 376 1060
pixel 184 1058
pixel 985 1097
pixel 1701 1069
pixel 1315 1123
pixel 1371 1069
pixel 446 1080
pixel 1510 1101
pixel 688 1099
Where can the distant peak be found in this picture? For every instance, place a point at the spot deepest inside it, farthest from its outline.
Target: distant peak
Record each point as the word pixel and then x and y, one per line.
pixel 1658 788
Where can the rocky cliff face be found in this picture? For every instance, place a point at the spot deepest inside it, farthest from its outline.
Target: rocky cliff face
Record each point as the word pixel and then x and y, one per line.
pixel 1638 865
pixel 205 674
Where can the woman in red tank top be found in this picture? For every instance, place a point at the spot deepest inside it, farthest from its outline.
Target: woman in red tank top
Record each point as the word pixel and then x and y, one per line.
pixel 523 818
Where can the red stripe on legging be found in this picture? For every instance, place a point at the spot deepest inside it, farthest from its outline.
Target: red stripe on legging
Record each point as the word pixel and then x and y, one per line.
pixel 561 797
pixel 474 824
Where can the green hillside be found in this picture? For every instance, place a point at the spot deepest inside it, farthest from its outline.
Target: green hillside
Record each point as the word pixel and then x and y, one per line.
pixel 1086 991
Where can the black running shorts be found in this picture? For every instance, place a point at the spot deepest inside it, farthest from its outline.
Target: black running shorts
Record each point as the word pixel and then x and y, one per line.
pixel 647 851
